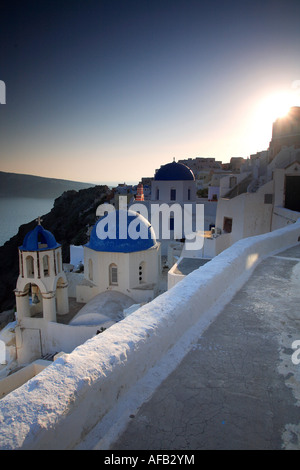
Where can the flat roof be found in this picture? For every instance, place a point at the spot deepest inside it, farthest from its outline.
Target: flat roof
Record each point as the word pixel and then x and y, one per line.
pixel 187 265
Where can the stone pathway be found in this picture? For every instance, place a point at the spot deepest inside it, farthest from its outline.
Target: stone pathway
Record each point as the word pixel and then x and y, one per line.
pixel 238 387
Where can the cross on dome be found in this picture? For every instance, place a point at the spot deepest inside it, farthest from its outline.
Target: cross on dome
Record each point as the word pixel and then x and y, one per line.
pixel 39 220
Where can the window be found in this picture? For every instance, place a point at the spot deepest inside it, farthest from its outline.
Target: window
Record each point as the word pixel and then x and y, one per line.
pixel 113 275
pixel 157 194
pixel 268 198
pixel 141 272
pixel 173 195
pixel 90 269
pixel 189 194
pixel 292 193
pixel 227 225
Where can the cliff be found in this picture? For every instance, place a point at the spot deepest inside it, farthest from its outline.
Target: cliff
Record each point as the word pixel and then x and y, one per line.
pixel 73 212
pixel 19 185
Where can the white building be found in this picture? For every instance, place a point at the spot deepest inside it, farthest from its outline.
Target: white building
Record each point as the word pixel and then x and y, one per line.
pixel 266 194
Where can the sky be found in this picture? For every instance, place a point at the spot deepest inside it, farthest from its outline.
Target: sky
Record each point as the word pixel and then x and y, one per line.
pixel 107 91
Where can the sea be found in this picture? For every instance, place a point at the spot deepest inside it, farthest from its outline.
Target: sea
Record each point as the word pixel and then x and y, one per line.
pixel 15 211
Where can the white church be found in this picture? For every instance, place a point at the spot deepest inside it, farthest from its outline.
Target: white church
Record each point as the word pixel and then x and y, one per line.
pixel 125 265
pixel 173 182
pixel 118 274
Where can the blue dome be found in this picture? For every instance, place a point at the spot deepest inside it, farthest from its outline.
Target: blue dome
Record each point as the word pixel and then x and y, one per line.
pixel 39 239
pixel 174 172
pixel 136 233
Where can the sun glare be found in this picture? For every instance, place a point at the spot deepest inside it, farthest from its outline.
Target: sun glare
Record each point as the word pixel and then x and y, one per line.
pixel 265 112
pixel 275 106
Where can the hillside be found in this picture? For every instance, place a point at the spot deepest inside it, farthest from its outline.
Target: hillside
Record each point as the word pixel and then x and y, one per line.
pixel 73 212
pixel 19 185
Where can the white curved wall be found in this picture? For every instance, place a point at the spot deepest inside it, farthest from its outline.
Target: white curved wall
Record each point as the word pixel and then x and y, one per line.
pixel 58 407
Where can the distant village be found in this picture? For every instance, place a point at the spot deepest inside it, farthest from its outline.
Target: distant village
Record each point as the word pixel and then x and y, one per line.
pixel 207 171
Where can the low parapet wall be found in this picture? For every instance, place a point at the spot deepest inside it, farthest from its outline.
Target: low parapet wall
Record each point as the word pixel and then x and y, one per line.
pixel 11 382
pixel 58 407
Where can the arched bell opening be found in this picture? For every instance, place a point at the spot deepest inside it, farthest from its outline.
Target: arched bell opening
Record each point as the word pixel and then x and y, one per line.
pixel 29 262
pixel 29 300
pixel 36 300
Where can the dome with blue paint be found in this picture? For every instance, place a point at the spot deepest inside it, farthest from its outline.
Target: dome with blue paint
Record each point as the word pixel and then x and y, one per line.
pixel 122 232
pixel 39 239
pixel 174 172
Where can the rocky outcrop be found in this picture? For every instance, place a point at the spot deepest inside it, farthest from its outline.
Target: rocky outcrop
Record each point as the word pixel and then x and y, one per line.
pixel 69 220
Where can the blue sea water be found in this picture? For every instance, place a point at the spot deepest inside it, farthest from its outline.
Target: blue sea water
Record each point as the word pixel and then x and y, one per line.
pixel 15 211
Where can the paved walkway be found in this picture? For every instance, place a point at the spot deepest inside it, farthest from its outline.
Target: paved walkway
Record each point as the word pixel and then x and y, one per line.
pixel 238 387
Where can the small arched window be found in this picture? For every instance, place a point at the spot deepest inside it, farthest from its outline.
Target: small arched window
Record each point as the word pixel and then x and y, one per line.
pixel 113 274
pixel 90 269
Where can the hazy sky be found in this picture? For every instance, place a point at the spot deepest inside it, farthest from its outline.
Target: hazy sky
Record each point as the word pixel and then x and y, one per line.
pixel 107 91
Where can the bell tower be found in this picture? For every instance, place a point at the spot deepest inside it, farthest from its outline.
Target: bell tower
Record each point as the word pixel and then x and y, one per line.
pixel 42 284
pixel 140 193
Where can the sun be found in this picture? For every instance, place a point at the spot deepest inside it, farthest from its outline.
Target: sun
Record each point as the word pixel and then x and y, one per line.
pixel 265 112
pixel 280 105
pixel 275 106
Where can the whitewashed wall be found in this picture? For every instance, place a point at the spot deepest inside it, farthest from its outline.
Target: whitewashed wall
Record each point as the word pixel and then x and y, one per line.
pixel 58 407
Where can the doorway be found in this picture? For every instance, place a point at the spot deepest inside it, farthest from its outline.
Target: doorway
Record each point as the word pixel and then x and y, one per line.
pixel 292 193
